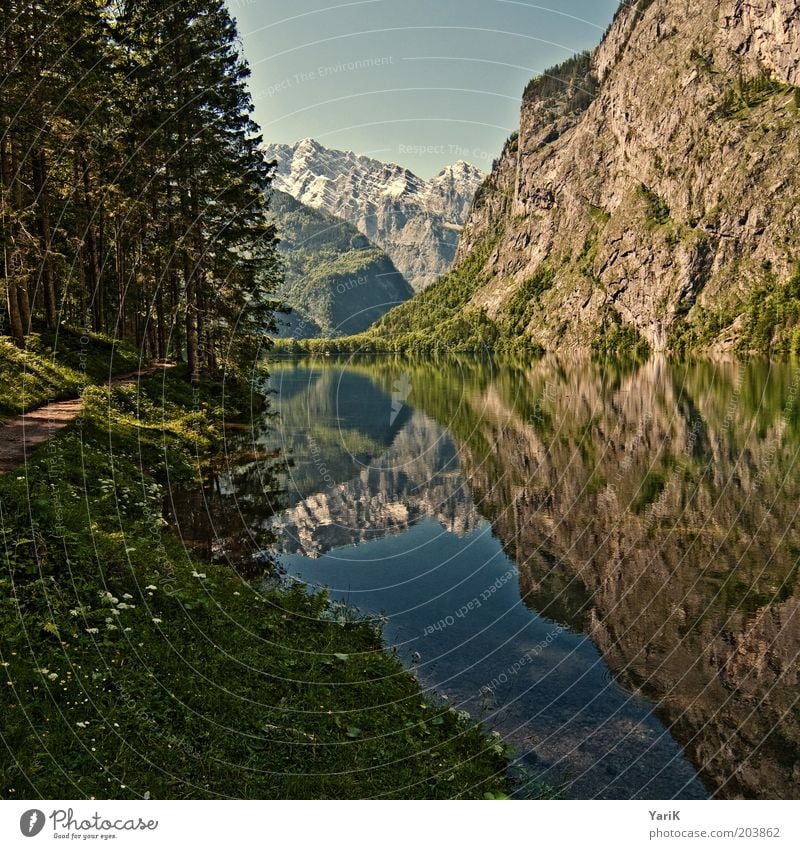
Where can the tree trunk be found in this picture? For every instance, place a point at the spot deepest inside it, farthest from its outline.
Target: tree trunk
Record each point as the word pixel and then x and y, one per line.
pixel 45 235
pixel 18 271
pixel 92 256
pixel 191 318
pixel 119 271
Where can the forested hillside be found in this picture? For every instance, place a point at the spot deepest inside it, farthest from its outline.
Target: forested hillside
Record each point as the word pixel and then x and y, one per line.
pixel 336 281
pixel 133 187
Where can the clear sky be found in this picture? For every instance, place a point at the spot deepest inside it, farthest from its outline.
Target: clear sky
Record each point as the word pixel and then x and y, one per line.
pixel 418 82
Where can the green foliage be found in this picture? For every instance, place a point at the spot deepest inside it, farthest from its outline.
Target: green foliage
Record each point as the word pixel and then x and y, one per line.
pixel 772 318
pixel 54 367
pixel 335 279
pixel 572 82
pixel 440 318
pixel 522 305
pixel 705 325
pixel 769 320
pixel 599 215
pixel 746 93
pixel 656 210
pixel 28 380
pixel 136 204
pixel 654 483
pixel 616 340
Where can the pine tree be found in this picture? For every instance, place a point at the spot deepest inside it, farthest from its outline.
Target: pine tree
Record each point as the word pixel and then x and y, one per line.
pixel 133 188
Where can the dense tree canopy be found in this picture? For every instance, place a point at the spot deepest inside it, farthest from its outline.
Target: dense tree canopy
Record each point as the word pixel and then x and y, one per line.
pixel 134 191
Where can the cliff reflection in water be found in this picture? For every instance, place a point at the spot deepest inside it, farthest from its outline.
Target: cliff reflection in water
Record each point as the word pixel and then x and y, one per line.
pixel 653 509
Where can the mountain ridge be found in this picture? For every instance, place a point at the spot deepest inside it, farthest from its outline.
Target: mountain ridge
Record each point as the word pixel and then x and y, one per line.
pixel 667 157
pixel 335 280
pixel 416 222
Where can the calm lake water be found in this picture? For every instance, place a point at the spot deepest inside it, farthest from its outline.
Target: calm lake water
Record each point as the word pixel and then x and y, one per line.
pixel 601 563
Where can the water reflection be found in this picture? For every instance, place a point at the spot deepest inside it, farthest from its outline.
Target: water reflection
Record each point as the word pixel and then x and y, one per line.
pixel 602 562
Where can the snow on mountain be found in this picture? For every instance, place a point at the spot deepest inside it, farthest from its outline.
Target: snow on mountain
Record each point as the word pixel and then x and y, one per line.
pixel 416 222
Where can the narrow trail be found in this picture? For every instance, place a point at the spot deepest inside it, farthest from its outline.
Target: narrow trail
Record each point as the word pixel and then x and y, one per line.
pixel 21 435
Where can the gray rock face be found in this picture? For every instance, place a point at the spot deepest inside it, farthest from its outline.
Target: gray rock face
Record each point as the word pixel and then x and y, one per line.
pixel 416 222
pixel 659 181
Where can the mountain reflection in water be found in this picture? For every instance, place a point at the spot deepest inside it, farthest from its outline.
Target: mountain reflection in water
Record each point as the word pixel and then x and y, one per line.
pixel 601 562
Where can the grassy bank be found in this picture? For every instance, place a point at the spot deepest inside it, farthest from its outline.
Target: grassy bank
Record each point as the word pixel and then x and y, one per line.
pixel 55 367
pixel 131 668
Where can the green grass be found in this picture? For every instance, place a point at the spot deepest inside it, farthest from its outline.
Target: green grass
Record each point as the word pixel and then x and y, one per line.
pixel 28 380
pixel 132 668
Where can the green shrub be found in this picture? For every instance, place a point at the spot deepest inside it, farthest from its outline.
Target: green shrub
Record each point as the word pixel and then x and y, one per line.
pixel 616 340
pixel 656 210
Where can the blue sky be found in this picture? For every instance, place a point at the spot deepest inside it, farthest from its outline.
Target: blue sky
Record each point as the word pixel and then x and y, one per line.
pixel 418 82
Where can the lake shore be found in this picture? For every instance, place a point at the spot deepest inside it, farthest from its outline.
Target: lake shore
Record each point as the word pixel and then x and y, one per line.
pixel 133 668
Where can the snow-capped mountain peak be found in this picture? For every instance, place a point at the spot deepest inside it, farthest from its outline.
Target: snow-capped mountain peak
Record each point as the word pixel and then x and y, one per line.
pixel 415 221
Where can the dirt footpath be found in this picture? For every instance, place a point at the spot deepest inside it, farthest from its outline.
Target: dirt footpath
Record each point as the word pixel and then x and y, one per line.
pixel 20 435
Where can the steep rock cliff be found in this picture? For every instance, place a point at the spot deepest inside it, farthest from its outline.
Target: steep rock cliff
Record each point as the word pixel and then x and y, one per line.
pixel 653 186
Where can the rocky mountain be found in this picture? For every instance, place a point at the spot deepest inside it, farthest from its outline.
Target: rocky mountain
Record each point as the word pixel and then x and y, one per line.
pixel 650 195
pixel 336 281
pixel 416 222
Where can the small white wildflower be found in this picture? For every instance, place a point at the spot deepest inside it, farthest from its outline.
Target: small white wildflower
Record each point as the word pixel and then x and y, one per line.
pixel 82 724
pixel 196 574
pixel 127 595
pixel 122 606
pixel 151 587
pixel 115 613
pixel 92 630
pixel 157 621
pixel 52 676
pixel 236 593
pixel 111 627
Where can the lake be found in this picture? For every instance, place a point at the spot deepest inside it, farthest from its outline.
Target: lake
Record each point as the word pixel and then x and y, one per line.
pixel 600 562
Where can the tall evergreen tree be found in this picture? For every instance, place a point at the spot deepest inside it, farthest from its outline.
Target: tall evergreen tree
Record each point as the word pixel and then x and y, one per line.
pixel 134 192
